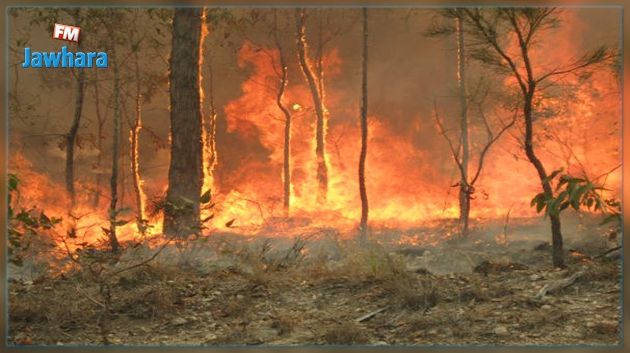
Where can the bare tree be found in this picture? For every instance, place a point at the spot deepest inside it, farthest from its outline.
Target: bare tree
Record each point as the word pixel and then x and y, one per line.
pixel 320 110
pixel 100 136
pixel 282 84
pixel 464 187
pixel 74 127
pixel 134 138
pixel 492 135
pixel 113 60
pixel 489 27
pixel 363 225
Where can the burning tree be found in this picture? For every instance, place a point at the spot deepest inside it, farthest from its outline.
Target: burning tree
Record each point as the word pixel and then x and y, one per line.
pixel 181 209
pixel 318 101
pixel 363 227
pixel 492 29
pixel 282 84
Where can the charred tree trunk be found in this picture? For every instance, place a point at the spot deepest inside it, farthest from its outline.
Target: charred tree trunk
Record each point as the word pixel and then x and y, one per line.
pixel 71 137
pixel 134 138
pixel 181 213
pixel 113 239
pixel 100 121
pixel 464 187
pixel 320 111
pixel 364 134
pixel 286 166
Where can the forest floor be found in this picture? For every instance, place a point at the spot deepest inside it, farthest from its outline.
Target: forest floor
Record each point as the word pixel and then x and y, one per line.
pixel 330 291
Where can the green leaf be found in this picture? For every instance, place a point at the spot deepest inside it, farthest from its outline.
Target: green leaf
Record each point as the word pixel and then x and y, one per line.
pixel 540 206
pixel 562 196
pixel 13 182
pixel 536 200
pixel 554 174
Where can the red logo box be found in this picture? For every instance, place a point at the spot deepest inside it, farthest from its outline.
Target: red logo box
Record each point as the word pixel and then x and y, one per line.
pixel 67 33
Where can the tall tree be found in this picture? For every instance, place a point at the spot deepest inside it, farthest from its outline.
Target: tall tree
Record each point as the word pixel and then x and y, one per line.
pixel 185 178
pixel 363 225
pixel 318 102
pixel 71 137
pixel 464 188
pixel 462 152
pixel 282 84
pixel 134 138
pixel 490 28
pixel 111 17
pixel 100 136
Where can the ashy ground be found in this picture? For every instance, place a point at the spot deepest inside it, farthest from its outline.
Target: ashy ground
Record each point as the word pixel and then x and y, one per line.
pixel 232 290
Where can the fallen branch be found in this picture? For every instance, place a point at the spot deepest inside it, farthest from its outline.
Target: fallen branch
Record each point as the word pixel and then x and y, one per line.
pixel 607 252
pixel 370 315
pixel 557 285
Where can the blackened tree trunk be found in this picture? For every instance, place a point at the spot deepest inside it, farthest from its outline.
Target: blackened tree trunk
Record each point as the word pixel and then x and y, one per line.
pixel 71 137
pixel 113 239
pixel 464 187
pixel 363 225
pixel 100 122
pixel 320 111
pixel 185 178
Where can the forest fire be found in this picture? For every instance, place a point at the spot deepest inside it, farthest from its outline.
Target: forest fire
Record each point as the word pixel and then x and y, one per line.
pixel 404 188
pixel 250 175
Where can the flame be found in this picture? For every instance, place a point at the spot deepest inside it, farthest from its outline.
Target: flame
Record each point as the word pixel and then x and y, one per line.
pixel 207 135
pixel 406 187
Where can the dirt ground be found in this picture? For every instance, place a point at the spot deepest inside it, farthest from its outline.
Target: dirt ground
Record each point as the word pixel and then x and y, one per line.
pixel 330 291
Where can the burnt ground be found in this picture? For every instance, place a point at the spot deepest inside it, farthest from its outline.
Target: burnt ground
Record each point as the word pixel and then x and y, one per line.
pixel 228 290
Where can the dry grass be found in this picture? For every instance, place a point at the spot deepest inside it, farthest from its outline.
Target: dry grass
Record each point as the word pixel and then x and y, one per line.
pixel 153 301
pixel 345 333
pixel 283 323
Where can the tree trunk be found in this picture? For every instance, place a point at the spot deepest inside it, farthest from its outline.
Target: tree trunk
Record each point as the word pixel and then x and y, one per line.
pixel 99 142
pixel 464 187
pixel 320 111
pixel 113 239
pixel 210 127
pixel 286 166
pixel 74 127
pixel 181 214
pixel 556 231
pixel 134 138
pixel 363 229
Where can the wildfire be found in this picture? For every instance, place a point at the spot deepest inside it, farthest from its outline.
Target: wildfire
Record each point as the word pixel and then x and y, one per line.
pixel 405 186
